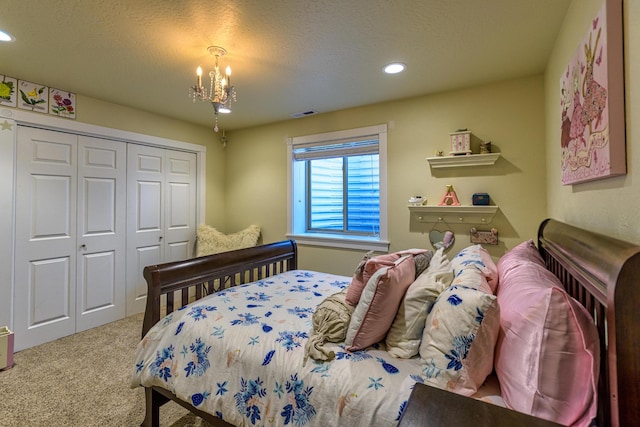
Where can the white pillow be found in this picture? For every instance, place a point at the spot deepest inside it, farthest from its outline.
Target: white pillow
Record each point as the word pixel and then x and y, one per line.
pixel 405 334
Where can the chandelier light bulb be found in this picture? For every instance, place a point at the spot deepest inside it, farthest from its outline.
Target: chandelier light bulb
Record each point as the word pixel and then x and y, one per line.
pixel 199 74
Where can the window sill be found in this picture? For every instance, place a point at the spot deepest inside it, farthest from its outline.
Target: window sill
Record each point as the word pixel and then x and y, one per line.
pixel 364 243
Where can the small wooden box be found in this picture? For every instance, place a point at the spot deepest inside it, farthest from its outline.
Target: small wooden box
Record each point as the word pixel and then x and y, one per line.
pixel 6 348
pixel 460 143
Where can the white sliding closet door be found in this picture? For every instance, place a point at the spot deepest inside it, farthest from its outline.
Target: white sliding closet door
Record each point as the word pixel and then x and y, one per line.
pixel 45 250
pixel 145 219
pixel 161 216
pixel 101 228
pixel 180 206
pixel 70 234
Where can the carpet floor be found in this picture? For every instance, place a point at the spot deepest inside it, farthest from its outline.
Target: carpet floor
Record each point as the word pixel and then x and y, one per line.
pixel 81 380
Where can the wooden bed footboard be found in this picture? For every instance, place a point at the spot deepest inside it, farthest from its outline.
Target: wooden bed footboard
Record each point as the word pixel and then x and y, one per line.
pixel 175 284
pixel 172 285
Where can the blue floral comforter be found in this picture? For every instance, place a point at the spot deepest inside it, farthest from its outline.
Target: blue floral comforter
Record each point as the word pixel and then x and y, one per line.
pixel 239 354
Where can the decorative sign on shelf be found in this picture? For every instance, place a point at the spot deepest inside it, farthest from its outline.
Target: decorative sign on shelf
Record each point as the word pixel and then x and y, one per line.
pixel 484 237
pixel 460 142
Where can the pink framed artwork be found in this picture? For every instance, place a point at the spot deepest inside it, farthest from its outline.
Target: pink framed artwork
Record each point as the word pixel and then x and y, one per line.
pixel 592 102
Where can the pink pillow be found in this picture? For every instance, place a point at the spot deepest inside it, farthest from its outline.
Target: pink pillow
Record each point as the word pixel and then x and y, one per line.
pixel 524 252
pixel 379 303
pixel 547 356
pixel 359 281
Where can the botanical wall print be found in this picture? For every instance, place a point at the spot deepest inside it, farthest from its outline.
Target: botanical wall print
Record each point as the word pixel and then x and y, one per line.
pixel 8 91
pixel 592 102
pixel 33 96
pixel 62 103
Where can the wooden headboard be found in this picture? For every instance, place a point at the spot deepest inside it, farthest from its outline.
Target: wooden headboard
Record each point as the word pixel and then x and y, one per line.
pixel 603 273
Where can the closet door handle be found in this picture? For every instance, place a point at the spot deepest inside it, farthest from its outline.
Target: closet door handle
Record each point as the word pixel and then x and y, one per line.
pixel 83 247
pixel 160 239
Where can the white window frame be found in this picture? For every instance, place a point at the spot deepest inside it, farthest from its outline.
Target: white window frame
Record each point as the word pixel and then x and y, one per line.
pixel 378 243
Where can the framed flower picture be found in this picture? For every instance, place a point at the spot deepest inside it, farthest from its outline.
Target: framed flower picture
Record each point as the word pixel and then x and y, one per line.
pixel 8 91
pixel 62 103
pixel 33 96
pixel 592 102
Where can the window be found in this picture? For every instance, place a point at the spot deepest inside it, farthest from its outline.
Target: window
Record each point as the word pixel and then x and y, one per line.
pixel 337 188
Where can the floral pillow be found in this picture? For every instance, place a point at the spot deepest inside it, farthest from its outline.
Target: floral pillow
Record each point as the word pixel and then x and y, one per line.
pixel 477 267
pixel 405 334
pixel 459 339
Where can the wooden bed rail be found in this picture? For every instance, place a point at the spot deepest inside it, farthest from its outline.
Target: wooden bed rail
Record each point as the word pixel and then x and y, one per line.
pixel 191 279
pixel 607 283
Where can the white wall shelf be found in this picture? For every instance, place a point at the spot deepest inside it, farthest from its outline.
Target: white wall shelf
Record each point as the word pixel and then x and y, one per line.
pixel 454 214
pixel 456 161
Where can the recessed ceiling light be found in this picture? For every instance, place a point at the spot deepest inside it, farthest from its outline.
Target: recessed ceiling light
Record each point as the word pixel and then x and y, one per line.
pixel 394 68
pixel 6 37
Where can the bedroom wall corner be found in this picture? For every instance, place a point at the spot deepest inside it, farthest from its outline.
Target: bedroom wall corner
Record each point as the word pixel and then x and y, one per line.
pixel 607 206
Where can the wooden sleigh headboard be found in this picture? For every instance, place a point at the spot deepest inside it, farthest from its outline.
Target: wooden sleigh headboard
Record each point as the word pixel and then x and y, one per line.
pixel 603 274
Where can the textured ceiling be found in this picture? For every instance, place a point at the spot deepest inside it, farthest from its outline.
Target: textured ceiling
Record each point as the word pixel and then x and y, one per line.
pixel 287 56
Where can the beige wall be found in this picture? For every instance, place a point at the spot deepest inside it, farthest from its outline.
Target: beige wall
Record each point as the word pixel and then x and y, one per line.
pixel 102 113
pixel 611 205
pixel 510 114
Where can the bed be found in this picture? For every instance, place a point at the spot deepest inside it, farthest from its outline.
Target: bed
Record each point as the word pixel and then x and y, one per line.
pixel 261 307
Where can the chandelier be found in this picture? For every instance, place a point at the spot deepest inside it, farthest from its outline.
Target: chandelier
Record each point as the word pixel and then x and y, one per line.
pixel 220 92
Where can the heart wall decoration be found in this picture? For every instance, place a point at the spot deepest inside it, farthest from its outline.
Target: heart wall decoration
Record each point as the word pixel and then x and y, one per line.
pixel 441 239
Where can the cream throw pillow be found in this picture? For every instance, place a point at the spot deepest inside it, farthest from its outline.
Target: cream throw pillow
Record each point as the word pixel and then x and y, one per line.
pixel 211 241
pixel 405 334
